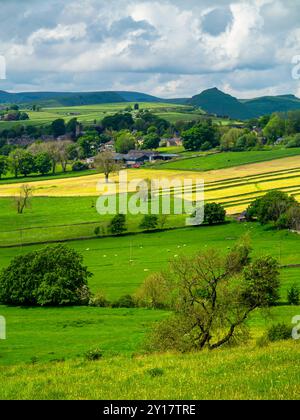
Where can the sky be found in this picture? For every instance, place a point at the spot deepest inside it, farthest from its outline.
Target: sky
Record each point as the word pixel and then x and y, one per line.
pixel 166 48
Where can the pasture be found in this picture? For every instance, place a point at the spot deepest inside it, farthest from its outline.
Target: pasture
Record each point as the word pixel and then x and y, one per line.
pixel 234 187
pixel 43 356
pixel 88 114
pixel 119 266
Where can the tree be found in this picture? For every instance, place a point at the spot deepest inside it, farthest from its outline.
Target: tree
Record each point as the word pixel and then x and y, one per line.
pixel 63 153
pixel 275 128
pixel 53 276
pixel 118 224
pixel 214 213
pixel 210 303
pixel 270 207
pixel 23 199
pixel 3 165
pixel 106 164
pixel 51 148
pixel 151 141
pixel 14 160
pixel 43 163
pixel 149 222
pixel 125 142
pixel 203 132
pixel 26 163
pixel 230 138
pixel 58 127
pixel 118 122
pixel 71 127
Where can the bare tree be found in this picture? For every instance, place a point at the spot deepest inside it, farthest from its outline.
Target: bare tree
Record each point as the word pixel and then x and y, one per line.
pixel 22 200
pixel 106 164
pixel 63 153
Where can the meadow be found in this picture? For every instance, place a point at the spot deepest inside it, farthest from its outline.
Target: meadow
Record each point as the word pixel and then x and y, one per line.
pixel 88 114
pixel 228 159
pixel 243 374
pixel 119 267
pixel 44 354
pixel 234 187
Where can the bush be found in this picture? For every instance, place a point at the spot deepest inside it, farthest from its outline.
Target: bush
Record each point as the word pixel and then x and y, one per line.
pixel 99 300
pixel 149 222
pixel 126 301
pixel 118 224
pixel 214 213
pixel 293 295
pixel 53 276
pixel 279 332
pixel 79 166
pixel 93 355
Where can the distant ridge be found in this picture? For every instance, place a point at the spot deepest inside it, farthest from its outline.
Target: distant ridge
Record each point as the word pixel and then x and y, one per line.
pixel 212 101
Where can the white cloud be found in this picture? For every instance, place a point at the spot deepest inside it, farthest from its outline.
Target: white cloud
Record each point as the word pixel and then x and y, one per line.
pixel 161 47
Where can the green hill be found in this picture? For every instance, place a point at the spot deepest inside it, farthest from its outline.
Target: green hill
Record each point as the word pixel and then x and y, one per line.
pixel 216 102
pixel 269 104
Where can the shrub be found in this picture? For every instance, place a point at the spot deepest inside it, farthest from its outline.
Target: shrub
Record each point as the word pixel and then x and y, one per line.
pixel 93 355
pixel 53 276
pixel 99 300
pixel 149 222
pixel 214 213
pixel 97 231
pixel 293 295
pixel 118 224
pixel 279 332
pixel 126 301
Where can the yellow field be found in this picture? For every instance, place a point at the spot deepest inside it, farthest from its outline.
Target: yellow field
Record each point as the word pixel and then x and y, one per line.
pixel 234 187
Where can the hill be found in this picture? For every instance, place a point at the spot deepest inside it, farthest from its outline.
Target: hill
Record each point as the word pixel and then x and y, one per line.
pixel 269 104
pixel 212 101
pixel 217 102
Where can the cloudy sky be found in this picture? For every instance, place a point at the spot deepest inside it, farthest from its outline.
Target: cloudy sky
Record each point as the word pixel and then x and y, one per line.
pixel 167 48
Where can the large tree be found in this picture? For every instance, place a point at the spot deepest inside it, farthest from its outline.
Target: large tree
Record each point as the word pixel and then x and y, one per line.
pixel 202 133
pixel 125 142
pixel 54 276
pixel 270 207
pixel 211 297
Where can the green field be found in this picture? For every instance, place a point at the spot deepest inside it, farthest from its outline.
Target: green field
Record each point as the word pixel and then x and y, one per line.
pixel 245 373
pixel 227 160
pixel 87 114
pixel 43 356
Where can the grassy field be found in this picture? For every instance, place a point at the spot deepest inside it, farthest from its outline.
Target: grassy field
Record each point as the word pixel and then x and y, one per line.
pixel 245 373
pixel 121 264
pixel 228 159
pixel 43 356
pixel 87 114
pixel 234 187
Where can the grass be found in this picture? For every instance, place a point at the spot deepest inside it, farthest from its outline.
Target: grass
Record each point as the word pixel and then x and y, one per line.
pixel 245 373
pixel 87 114
pixel 121 264
pixel 47 334
pixel 228 159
